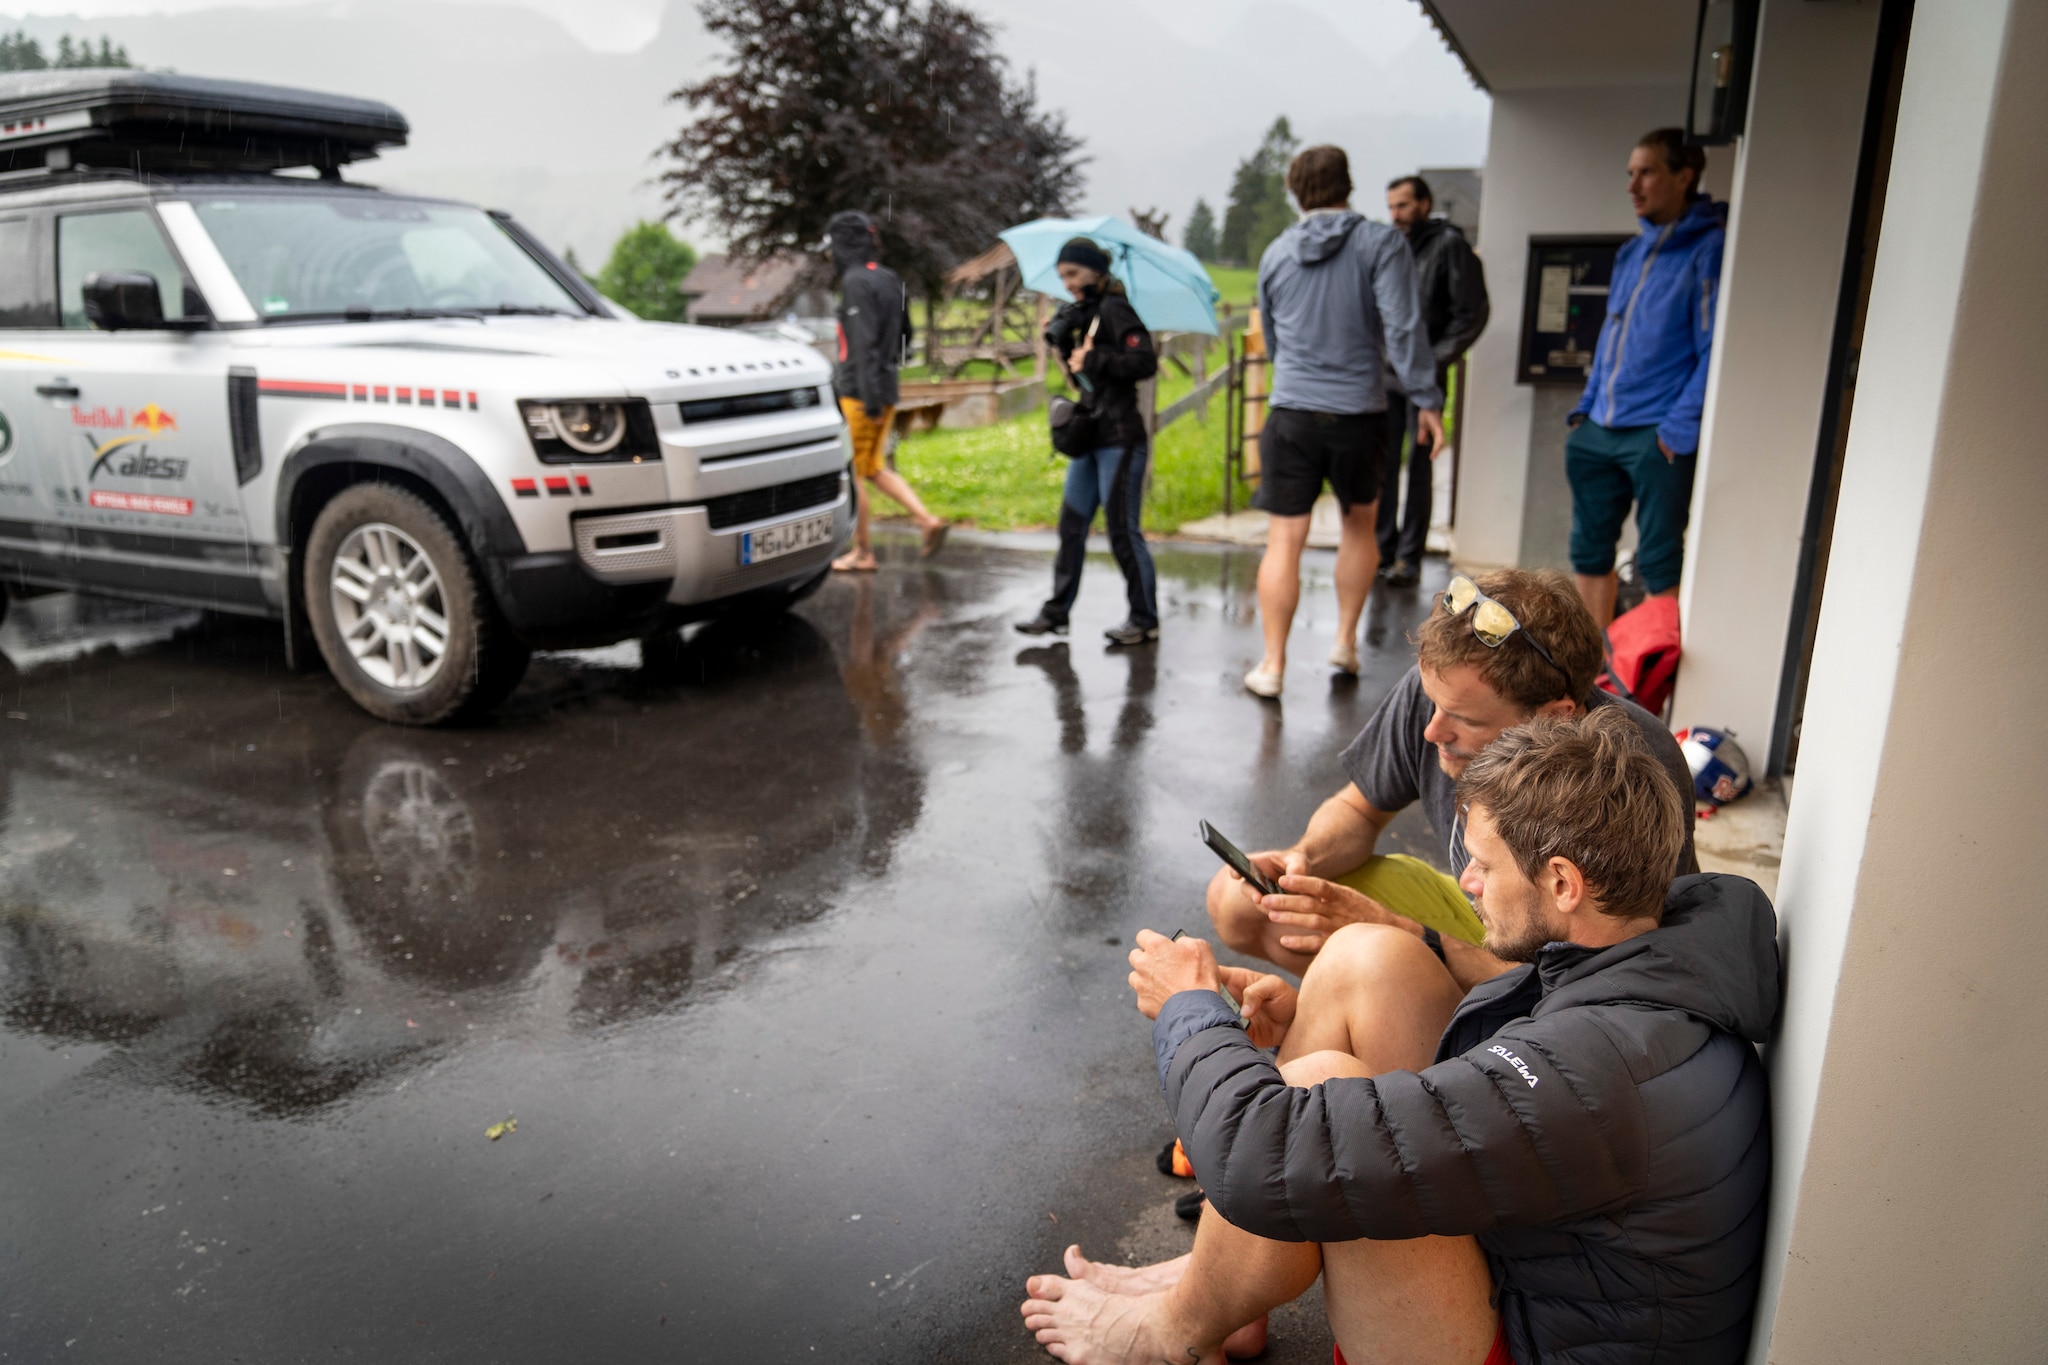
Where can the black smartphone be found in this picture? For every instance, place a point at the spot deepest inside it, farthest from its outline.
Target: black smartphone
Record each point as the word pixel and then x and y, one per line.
pixel 1233 857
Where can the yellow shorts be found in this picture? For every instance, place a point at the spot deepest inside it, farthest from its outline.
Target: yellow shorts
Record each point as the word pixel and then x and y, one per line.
pixel 1409 886
pixel 870 436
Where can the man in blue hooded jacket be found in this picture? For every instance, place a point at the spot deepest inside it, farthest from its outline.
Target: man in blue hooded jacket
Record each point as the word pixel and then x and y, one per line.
pixel 1636 430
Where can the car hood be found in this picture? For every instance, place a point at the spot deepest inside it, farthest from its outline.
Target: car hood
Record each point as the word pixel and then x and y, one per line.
pixel 635 357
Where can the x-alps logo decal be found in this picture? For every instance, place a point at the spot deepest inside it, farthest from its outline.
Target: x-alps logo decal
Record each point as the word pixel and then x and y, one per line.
pixel 126 453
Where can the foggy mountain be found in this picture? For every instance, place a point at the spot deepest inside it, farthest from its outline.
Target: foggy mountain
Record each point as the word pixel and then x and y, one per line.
pixel 511 111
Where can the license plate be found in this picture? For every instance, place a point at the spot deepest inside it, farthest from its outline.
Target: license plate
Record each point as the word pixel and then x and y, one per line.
pixel 772 541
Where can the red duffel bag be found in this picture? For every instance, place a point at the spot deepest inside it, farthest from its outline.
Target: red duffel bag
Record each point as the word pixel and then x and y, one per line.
pixel 1642 654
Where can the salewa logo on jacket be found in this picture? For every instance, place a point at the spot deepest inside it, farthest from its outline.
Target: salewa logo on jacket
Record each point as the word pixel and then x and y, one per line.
pixel 1516 1063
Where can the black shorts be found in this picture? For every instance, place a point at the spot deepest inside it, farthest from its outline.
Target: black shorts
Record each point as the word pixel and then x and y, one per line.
pixel 1299 450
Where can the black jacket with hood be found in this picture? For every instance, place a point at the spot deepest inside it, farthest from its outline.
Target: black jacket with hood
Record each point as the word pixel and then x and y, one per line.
pixel 1599 1121
pixel 874 323
pixel 1119 360
pixel 1453 283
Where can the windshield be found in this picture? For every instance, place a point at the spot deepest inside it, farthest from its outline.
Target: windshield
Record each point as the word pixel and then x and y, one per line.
pixel 326 256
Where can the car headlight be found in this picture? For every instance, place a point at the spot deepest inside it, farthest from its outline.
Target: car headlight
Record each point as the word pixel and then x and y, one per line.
pixel 567 431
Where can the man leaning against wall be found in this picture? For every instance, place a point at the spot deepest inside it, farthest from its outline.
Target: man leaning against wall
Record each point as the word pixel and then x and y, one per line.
pixel 1636 430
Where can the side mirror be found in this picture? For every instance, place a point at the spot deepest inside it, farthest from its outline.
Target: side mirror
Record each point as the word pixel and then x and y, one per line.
pixel 118 300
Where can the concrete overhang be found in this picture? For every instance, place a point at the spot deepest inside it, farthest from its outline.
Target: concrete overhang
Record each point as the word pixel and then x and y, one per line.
pixel 1551 44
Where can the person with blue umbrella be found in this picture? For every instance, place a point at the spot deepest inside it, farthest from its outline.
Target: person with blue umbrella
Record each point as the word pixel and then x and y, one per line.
pixel 1108 352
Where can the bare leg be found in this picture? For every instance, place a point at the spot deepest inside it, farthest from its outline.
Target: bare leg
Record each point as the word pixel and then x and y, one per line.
pixel 1425 1301
pixel 1242 923
pixel 898 488
pixel 1280 586
pixel 1367 978
pixel 1375 994
pixel 862 555
pixel 1358 561
pixel 1597 592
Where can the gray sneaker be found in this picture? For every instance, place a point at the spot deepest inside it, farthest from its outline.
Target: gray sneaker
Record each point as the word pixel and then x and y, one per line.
pixel 1128 634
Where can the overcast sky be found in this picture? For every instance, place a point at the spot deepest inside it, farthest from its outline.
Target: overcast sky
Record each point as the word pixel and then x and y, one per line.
pixel 555 109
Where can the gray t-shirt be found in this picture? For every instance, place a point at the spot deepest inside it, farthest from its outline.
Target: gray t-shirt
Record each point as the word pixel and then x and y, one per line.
pixel 1394 766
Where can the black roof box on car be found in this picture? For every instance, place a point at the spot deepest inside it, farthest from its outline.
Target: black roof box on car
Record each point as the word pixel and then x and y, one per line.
pixel 155 121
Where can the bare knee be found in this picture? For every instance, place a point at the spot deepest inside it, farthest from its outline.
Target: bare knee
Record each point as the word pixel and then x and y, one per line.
pixel 1238 919
pixel 1316 1067
pixel 1363 955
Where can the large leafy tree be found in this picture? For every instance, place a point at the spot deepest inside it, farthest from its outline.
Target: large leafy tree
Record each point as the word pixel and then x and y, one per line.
pixel 646 270
pixel 1259 210
pixel 902 110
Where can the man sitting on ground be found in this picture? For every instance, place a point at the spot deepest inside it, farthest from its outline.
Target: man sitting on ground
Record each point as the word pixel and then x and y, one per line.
pixel 1496 651
pixel 1580 1175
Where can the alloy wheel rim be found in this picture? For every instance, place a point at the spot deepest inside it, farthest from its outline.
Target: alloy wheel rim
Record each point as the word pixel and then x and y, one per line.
pixel 390 606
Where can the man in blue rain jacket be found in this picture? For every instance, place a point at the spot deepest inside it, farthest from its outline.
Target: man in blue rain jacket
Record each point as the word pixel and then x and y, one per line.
pixel 1636 430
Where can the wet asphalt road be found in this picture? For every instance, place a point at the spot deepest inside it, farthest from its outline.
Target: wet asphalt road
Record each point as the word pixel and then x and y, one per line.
pixel 797 955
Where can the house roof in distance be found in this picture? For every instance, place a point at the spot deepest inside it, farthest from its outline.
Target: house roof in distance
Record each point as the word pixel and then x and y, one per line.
pixel 737 289
pixel 160 121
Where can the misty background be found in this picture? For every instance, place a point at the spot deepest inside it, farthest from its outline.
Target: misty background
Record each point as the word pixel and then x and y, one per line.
pixel 556 109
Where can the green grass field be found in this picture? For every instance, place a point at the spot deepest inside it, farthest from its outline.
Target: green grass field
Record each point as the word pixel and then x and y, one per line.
pixel 1006 476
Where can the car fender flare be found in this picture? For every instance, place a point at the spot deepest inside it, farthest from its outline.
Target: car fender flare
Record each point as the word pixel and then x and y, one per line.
pixel 480 513
pixel 480 516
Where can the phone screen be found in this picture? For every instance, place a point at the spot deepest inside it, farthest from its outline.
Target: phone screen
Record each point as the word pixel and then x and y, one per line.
pixel 1234 858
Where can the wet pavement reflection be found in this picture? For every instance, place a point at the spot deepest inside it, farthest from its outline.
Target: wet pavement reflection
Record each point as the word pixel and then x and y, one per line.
pixel 794 951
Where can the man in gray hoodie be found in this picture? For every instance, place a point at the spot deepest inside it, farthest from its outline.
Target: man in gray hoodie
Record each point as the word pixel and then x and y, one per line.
pixel 1338 304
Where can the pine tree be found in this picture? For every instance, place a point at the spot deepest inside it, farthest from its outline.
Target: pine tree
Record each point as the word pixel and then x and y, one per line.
pixel 19 52
pixel 1199 237
pixel 1259 210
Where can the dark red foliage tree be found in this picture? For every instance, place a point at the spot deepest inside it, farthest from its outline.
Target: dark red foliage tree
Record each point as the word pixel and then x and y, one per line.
pixel 904 111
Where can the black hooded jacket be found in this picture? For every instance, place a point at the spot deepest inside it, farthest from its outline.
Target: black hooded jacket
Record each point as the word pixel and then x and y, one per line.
pixel 1599 1121
pixel 1453 284
pixel 874 324
pixel 1120 358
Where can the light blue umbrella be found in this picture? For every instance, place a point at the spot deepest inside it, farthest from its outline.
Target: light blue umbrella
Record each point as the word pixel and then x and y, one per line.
pixel 1168 286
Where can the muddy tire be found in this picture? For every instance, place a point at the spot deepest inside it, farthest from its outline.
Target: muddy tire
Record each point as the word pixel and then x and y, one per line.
pixel 399 612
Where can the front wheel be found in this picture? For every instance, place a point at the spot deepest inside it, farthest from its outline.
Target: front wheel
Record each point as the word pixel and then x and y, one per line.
pixel 400 617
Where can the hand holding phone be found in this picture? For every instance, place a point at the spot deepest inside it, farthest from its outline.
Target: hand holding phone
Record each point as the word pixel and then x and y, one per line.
pixel 1234 858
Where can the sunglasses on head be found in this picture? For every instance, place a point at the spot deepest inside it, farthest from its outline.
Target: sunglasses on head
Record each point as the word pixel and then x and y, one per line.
pixel 1491 622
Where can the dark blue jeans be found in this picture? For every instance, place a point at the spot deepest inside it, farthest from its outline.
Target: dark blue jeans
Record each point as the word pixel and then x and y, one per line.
pixel 1112 478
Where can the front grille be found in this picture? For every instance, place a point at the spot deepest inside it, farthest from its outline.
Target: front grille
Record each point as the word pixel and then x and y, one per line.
pixel 759 504
pixel 748 405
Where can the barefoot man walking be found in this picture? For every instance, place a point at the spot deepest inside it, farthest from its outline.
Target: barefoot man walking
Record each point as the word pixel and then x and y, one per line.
pixel 874 324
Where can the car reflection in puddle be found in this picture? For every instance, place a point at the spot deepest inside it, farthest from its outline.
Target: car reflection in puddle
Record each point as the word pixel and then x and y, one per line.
pixel 277 903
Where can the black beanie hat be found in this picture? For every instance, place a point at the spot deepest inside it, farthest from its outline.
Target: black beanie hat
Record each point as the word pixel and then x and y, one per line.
pixel 1082 252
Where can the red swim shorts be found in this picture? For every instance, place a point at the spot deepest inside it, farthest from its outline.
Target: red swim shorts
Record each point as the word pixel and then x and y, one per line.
pixel 1497 1356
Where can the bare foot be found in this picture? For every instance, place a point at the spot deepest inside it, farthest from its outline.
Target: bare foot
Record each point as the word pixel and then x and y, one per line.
pixel 854 561
pixel 1246 1343
pixel 1126 1279
pixel 1083 1325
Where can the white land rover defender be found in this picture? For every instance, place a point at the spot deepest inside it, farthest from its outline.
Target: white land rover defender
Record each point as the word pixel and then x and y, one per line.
pixel 397 424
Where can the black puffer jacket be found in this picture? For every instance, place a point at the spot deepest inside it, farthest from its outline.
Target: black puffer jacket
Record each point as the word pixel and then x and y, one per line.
pixel 1453 284
pixel 1120 359
pixel 1599 1121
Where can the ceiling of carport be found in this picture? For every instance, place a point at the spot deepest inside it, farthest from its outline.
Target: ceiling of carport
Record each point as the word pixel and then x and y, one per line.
pixel 1547 44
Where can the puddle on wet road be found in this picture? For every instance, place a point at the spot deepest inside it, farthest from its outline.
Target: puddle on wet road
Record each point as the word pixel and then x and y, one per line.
pixel 753 933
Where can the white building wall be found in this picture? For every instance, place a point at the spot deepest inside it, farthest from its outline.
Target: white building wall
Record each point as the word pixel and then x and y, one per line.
pixel 1795 180
pixel 1908 1215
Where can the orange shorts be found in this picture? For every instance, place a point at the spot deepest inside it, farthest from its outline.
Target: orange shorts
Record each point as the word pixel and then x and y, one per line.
pixel 1497 1356
pixel 870 436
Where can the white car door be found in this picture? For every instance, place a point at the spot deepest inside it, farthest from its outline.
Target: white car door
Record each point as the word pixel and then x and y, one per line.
pixel 153 489
pixel 29 473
